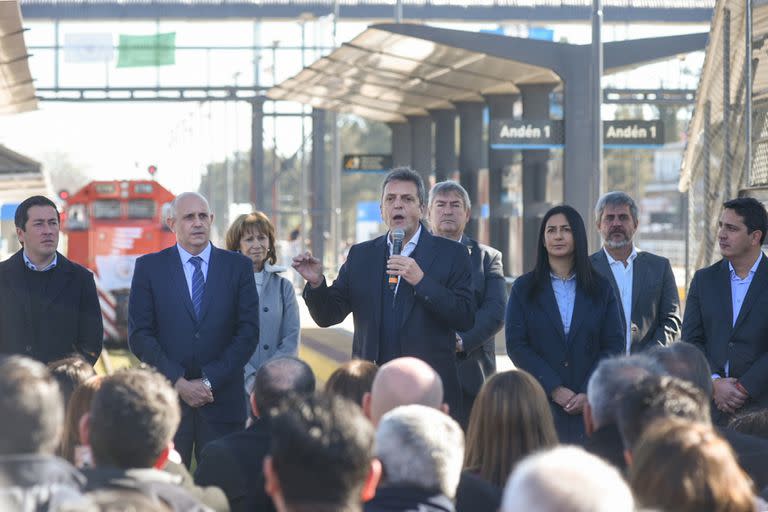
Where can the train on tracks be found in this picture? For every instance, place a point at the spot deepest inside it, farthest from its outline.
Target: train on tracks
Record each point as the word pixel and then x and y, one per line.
pixel 108 225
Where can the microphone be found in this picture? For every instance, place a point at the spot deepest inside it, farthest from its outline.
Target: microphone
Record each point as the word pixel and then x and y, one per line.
pixel 397 247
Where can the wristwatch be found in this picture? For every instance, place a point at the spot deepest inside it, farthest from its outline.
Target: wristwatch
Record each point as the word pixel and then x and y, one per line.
pixel 207 383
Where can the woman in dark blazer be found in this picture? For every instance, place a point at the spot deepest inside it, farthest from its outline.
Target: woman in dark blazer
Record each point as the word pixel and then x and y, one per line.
pixel 562 319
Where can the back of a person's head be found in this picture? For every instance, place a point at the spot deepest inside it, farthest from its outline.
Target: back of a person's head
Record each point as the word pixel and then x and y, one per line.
pixel 566 479
pixel 352 380
pixel 612 377
pixel 753 423
pixel 79 405
pixel 280 377
pixel 70 372
pixel 31 407
pixel 117 500
pixel 685 361
pixel 659 397
pixel 683 466
pixel 420 447
pixel 134 416
pixel 510 419
pixel 405 381
pixel 321 452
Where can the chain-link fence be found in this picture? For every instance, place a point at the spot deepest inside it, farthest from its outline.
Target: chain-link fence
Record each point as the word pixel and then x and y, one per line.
pixel 715 164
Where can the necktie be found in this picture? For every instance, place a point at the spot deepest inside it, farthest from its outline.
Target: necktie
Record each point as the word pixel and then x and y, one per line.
pixel 198 284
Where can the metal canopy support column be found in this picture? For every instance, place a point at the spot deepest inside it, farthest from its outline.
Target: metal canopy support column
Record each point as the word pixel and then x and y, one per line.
pixel 535 99
pixel 319 184
pixel 401 144
pixel 471 157
pixel 501 106
pixel 581 173
pixel 258 195
pixel 421 146
pixel 445 143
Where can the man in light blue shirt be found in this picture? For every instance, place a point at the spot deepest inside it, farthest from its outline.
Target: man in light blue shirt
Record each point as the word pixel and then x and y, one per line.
pixel 194 315
pixel 726 314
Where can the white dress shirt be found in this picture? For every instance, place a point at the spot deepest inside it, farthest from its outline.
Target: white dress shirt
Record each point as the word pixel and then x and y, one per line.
pixel 189 268
pixel 406 251
pixel 623 276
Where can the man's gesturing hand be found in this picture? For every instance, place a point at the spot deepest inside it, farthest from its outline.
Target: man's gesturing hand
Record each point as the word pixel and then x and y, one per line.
pixel 405 267
pixel 310 268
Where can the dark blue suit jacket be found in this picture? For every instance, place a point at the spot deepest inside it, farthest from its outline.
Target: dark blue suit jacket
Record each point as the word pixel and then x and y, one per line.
pixel 478 361
pixel 164 332
pixel 71 316
pixel 708 323
pixel 536 341
pixel 440 304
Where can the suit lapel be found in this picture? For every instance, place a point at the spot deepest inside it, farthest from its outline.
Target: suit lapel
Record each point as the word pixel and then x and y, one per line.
pixel 756 288
pixel 424 255
pixel 600 261
pixel 59 280
pixel 19 286
pixel 639 279
pixel 581 308
pixel 379 257
pixel 724 283
pixel 214 278
pixel 179 281
pixel 547 301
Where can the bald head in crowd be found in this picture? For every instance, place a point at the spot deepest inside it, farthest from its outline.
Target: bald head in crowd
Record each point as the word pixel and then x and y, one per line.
pixel 403 381
pixel 277 379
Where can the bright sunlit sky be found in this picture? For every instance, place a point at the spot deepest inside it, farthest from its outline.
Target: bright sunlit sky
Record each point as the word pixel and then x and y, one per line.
pixel 119 140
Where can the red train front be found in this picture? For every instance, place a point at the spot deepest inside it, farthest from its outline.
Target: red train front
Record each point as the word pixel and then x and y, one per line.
pixel 108 225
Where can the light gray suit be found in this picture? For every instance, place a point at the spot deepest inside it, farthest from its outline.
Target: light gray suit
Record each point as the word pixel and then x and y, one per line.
pixel 655 313
pixel 278 321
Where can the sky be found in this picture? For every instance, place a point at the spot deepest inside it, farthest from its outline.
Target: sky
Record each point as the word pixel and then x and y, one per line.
pixel 120 140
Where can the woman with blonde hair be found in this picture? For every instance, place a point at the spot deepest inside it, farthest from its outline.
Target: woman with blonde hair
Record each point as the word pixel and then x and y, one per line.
pixel 253 235
pixel 682 466
pixel 510 419
pixel 79 405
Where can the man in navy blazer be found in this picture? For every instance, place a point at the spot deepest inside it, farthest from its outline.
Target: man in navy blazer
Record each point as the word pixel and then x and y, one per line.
pixel 193 315
pixel 449 212
pixel 430 297
pixel 725 312
pixel 643 282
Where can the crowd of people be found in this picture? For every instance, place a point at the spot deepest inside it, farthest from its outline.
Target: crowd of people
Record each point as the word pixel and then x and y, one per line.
pixel 616 403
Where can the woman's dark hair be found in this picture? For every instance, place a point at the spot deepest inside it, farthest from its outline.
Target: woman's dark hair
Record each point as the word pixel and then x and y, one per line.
pixel 586 277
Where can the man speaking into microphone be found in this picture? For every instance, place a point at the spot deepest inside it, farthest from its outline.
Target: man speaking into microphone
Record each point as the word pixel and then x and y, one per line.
pixel 408 291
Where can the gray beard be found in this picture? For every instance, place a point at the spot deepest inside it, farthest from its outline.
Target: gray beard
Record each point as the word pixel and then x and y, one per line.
pixel 617 245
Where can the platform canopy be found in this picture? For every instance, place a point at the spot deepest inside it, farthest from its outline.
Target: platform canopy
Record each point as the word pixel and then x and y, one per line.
pixel 17 90
pixel 391 71
pixel 386 76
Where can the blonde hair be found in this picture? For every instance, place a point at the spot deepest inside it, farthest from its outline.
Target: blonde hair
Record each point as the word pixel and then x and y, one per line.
pixel 510 419
pixel 79 404
pixel 682 466
pixel 255 221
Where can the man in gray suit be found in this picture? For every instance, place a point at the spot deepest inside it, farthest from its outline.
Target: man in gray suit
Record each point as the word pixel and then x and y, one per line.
pixel 449 211
pixel 643 282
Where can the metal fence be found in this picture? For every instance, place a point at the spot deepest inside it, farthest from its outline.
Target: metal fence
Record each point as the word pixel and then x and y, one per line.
pixel 725 154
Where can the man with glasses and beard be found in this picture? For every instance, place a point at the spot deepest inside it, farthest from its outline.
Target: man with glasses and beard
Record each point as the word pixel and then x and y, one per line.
pixel 643 282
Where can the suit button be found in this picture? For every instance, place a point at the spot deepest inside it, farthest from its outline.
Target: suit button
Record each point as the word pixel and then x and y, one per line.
pixel 197 335
pixel 266 309
pixel 266 347
pixel 730 344
pixel 28 348
pixel 565 363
